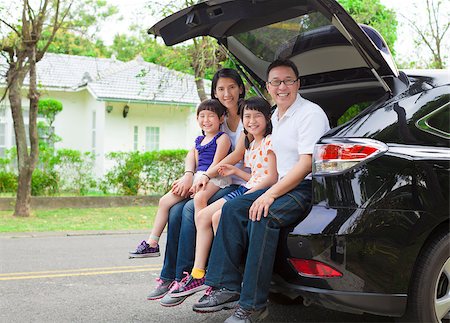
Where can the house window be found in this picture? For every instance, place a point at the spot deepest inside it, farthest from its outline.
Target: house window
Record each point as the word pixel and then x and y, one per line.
pixel 151 138
pixel 94 132
pixel 136 138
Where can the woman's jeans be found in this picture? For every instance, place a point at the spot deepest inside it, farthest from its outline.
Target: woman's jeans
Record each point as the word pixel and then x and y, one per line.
pixel 238 235
pixel 181 235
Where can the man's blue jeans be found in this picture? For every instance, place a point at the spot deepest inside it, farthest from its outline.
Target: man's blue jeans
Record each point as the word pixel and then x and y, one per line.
pixel 181 235
pixel 237 234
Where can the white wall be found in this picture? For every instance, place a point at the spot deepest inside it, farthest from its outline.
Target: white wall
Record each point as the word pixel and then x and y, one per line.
pixel 113 132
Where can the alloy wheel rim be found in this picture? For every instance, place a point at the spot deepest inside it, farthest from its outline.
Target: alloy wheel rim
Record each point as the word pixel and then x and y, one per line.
pixel 442 294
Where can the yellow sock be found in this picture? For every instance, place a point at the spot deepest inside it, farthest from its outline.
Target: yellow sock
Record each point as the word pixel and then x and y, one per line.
pixel 198 273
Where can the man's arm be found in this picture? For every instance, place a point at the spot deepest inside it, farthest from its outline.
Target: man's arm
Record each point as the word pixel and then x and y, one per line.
pixel 261 205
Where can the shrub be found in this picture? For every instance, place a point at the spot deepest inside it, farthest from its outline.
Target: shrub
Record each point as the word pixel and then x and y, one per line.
pixel 75 171
pixel 144 173
pixel 8 182
pixel 44 183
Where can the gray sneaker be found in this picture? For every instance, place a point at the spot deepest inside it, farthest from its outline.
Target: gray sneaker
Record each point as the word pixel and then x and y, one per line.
pixel 215 300
pixel 161 289
pixel 244 316
pixel 169 301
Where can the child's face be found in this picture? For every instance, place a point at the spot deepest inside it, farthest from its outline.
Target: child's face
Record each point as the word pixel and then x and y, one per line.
pixel 254 122
pixel 209 121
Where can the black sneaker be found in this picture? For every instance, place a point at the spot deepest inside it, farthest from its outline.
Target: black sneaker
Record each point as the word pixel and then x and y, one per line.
pixel 242 315
pixel 144 250
pixel 216 299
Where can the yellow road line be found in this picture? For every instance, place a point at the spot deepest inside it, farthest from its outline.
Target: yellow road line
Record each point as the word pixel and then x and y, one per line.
pixel 79 269
pixel 96 271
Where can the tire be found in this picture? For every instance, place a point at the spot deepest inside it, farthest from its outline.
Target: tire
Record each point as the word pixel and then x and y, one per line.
pixel 430 283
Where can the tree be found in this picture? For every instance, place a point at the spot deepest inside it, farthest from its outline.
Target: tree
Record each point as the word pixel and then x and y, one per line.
pixel 376 15
pixel 78 34
pixel 23 46
pixel 204 53
pixel 431 28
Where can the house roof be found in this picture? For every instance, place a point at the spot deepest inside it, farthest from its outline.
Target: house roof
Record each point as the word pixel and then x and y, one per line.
pixel 109 79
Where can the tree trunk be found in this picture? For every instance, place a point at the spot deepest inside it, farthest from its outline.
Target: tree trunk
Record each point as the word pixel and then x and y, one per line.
pixel 23 199
pixel 200 88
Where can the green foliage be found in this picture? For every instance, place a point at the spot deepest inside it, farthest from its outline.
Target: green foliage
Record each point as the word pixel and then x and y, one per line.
pixel 49 108
pixel 8 182
pixel 376 15
pixel 44 183
pixel 144 173
pixel 67 42
pixel 353 111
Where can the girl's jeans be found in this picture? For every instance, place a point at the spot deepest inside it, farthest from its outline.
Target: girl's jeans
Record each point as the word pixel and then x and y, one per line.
pixel 181 233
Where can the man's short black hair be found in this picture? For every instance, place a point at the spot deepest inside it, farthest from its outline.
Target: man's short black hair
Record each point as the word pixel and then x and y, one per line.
pixel 283 62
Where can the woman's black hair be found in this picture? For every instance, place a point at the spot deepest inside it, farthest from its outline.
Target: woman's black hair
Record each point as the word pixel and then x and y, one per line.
pixel 227 73
pixel 259 104
pixel 213 105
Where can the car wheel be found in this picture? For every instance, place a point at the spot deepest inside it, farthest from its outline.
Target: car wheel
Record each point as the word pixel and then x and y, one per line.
pixel 429 299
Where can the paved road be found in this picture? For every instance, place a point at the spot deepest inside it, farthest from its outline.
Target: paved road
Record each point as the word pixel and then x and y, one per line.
pixel 88 278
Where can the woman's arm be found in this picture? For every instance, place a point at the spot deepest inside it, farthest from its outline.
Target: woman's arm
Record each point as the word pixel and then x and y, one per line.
pixel 233 158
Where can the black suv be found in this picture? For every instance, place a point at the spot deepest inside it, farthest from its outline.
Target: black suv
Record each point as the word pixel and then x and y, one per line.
pixel 377 237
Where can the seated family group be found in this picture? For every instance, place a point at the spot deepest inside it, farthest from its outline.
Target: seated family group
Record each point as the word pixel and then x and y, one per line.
pixel 248 176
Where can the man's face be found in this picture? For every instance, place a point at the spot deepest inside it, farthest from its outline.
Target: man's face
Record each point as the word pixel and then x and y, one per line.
pixel 283 95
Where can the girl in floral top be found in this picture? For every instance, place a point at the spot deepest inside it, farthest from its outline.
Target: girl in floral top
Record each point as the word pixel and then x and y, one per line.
pixel 260 158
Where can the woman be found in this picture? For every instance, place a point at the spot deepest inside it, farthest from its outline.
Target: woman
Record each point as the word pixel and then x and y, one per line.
pixel 228 88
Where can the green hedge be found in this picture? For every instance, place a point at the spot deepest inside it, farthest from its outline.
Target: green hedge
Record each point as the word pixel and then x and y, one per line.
pixel 70 171
pixel 144 173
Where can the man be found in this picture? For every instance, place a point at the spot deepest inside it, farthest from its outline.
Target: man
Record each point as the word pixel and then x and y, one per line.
pixel 252 222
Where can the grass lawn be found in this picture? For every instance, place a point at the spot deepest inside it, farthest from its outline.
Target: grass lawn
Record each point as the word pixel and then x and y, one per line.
pixel 120 218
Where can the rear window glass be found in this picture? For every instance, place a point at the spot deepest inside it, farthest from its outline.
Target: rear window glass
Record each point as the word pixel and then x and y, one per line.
pixel 283 38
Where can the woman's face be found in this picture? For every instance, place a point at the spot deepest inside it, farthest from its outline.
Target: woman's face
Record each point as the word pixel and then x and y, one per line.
pixel 227 92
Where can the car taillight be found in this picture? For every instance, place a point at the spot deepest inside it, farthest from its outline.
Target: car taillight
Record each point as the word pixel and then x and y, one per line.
pixel 314 268
pixel 338 156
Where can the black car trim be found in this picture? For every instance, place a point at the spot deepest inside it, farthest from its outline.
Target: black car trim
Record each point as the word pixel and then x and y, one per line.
pixel 353 302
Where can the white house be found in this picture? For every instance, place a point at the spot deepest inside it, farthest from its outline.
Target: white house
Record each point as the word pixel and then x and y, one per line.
pixel 109 105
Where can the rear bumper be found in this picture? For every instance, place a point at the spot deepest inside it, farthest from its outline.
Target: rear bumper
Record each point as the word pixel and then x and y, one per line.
pixel 352 302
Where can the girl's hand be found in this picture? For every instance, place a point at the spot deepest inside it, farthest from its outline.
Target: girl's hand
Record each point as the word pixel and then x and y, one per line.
pixel 260 207
pixel 227 170
pixel 200 185
pixel 181 186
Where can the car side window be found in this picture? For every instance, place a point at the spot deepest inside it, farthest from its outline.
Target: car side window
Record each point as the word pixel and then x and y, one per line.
pixel 436 122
